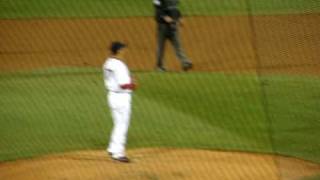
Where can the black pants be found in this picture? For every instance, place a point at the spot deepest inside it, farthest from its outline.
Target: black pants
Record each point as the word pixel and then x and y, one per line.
pixel 165 32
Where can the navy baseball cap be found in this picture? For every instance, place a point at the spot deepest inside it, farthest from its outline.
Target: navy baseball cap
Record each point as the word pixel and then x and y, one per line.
pixel 116 46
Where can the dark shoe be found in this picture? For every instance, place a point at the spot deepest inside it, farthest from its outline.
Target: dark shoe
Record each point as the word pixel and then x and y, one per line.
pixel 161 69
pixel 123 159
pixel 187 66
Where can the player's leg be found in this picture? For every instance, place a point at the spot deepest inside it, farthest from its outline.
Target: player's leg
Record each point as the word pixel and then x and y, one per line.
pixel 175 41
pixel 161 39
pixel 121 119
pixel 119 133
pixel 112 148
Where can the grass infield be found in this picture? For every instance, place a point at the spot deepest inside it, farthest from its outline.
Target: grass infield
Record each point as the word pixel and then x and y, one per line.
pixel 57 110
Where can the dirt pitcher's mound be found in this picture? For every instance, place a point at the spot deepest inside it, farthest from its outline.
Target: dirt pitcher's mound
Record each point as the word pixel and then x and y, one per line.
pixel 152 164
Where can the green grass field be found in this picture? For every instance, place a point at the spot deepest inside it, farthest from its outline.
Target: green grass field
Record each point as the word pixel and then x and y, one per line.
pixel 65 109
pixel 129 8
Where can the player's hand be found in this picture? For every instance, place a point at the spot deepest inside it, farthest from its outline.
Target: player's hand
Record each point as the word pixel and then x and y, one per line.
pixel 168 19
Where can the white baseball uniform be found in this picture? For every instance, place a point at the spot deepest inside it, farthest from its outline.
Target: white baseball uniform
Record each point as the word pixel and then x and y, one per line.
pixel 116 73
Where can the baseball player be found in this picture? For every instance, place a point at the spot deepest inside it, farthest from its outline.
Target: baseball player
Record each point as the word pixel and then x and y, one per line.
pixel 168 19
pixel 119 84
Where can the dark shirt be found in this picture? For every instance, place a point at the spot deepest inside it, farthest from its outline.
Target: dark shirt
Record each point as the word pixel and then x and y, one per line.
pixel 166 8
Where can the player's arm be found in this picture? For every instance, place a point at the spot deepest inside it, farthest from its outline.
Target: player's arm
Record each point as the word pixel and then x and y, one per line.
pixel 176 14
pixel 124 79
pixel 131 85
pixel 172 15
pixel 162 11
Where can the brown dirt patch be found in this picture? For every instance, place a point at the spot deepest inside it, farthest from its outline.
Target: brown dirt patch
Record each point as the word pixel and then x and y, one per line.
pixel 283 43
pixel 159 163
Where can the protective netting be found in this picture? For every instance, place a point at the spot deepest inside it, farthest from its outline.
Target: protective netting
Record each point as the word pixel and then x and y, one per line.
pixel 254 86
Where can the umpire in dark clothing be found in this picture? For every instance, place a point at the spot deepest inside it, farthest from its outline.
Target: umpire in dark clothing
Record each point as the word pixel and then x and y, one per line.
pixel 168 21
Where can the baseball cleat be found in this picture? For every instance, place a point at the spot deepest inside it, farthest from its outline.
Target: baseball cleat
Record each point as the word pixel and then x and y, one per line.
pixel 161 69
pixel 122 159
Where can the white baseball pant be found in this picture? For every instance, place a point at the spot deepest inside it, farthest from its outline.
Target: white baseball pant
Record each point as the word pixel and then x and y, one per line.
pixel 120 106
